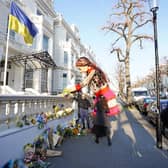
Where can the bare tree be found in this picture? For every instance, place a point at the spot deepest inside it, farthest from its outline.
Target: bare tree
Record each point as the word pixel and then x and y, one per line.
pixel 120 78
pixel 164 67
pixel 125 22
pixel 151 81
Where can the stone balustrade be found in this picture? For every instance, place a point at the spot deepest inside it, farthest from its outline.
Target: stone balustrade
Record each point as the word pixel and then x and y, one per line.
pixel 18 106
pixel 12 138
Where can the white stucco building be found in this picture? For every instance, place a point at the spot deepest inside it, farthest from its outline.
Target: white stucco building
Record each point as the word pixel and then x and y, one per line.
pixel 48 65
pixel 68 48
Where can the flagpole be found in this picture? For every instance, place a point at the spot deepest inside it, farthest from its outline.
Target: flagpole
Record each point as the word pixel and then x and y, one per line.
pixel 6 55
pixel 27 23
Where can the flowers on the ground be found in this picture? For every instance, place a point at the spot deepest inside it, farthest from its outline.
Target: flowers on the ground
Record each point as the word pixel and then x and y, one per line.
pixel 42 118
pixel 19 122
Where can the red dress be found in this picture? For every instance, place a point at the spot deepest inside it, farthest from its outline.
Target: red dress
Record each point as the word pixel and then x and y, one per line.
pixel 100 87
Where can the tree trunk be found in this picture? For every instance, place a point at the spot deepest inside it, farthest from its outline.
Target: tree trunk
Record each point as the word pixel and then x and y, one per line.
pixel 128 80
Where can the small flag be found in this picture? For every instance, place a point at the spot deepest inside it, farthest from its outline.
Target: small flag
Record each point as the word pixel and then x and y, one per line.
pixel 21 24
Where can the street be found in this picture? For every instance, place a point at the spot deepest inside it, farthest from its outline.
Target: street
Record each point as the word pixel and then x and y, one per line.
pixel 133 145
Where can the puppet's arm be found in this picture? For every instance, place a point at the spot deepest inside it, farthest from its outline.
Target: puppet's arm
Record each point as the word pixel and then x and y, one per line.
pixel 78 86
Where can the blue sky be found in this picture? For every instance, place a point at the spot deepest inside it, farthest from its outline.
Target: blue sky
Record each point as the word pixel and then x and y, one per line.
pixel 90 15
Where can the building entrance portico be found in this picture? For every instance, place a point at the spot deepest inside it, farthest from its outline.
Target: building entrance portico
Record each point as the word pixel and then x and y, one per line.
pixel 33 69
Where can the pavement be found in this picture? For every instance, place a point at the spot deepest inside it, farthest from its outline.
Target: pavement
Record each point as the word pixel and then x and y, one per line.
pixel 133 146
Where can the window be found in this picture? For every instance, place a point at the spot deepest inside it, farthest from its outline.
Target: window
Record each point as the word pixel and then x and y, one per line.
pixel 67 37
pixel 140 93
pixel 2 78
pixel 34 43
pixel 65 58
pixel 12 34
pixel 45 42
pixel 44 77
pixel 39 12
pixel 72 60
pixel 29 78
pixel 64 82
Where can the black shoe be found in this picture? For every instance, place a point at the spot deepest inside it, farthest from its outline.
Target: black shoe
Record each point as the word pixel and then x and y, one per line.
pixel 109 141
pixel 97 140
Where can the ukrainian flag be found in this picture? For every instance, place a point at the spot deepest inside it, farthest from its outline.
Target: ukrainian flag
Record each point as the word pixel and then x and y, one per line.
pixel 21 24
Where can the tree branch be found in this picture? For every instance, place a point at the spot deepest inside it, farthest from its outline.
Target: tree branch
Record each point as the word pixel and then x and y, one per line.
pixel 113 44
pixel 140 25
pixel 140 38
pixel 119 53
pixel 112 28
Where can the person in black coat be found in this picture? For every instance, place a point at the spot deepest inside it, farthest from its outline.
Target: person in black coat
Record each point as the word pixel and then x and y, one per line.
pixel 101 123
pixel 164 119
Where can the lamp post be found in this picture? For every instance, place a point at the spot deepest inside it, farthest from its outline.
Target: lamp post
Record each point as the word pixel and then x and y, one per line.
pixel 154 8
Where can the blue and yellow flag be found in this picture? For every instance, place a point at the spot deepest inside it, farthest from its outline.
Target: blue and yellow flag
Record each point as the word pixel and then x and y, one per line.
pixel 21 24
